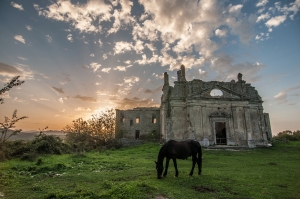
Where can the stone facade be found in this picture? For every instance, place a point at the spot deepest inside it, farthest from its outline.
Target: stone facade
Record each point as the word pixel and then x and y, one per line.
pixel 214 113
pixel 137 122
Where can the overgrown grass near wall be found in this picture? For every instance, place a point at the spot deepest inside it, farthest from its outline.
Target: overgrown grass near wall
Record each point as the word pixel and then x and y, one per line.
pixel 130 173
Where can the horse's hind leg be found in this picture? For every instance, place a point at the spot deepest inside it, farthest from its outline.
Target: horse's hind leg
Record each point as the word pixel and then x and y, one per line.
pixel 199 161
pixel 167 165
pixel 194 158
pixel 175 165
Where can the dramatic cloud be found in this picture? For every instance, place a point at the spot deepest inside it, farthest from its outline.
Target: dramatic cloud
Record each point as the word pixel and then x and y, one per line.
pixel 20 38
pixel 263 17
pixel 186 37
pixel 104 56
pixel 122 47
pixel 105 70
pixel 11 71
pixel 81 109
pixel 120 68
pixel 81 16
pixel 281 98
pixel 8 70
pixel 29 28
pixel 127 103
pixel 262 3
pixel 49 38
pixel 295 88
pixel 224 65
pixel 85 98
pixel 70 37
pixel 23 58
pixel 144 59
pixel 95 66
pixel 275 21
pixel 148 91
pixel 61 100
pixel 18 6
pixel 131 79
pixel 221 33
pixel 59 90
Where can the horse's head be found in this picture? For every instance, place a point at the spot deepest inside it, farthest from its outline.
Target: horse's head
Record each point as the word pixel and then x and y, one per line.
pixel 159 169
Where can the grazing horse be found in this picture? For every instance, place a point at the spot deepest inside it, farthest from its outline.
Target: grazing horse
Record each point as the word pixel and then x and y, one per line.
pixel 180 150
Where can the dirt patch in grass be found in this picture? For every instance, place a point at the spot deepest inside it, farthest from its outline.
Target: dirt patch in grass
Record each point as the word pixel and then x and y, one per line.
pixel 204 189
pixel 272 163
pixel 228 190
pixel 160 197
pixel 282 186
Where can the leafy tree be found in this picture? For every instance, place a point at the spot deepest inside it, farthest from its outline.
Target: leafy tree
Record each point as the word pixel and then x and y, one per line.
pixel 13 82
pixel 88 135
pixel 103 124
pixel 287 136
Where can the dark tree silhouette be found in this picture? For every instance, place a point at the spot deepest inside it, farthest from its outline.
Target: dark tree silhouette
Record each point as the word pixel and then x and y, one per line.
pixel 12 83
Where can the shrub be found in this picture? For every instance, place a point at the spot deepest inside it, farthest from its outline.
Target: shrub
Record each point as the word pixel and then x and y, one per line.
pixel 13 149
pixel 47 144
pixel 286 136
pixel 113 143
pixel 153 135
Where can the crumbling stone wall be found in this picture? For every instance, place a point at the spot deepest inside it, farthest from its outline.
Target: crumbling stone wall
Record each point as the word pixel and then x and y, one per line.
pixel 137 122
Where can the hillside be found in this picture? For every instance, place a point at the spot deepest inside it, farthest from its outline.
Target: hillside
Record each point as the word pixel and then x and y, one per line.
pixel 29 135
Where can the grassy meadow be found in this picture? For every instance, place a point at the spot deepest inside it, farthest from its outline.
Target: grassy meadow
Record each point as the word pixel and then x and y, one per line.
pixel 130 173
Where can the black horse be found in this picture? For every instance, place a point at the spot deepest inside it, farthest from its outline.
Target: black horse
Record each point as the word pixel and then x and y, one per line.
pixel 180 150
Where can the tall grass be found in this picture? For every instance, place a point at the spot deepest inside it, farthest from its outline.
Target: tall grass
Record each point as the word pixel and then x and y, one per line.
pixel 130 173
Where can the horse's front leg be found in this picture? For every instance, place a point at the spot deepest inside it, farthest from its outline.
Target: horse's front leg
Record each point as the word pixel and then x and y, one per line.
pixel 175 165
pixel 167 165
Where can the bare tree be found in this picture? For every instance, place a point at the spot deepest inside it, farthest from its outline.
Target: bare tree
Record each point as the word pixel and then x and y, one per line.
pixel 7 125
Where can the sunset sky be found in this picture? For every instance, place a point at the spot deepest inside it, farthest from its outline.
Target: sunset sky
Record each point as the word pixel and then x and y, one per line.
pixel 81 57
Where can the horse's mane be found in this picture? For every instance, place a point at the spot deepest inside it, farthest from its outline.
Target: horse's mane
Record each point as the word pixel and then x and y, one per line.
pixel 161 156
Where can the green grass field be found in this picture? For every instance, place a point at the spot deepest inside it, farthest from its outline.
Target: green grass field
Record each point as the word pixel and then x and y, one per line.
pixel 130 173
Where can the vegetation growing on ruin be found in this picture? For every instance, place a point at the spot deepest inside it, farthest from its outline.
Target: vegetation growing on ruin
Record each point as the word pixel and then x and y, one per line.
pixel 130 173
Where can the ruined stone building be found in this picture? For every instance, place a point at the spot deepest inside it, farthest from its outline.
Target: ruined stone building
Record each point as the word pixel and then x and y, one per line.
pixel 214 113
pixel 135 123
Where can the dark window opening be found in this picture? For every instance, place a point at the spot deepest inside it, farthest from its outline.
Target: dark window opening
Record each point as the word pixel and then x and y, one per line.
pixel 131 122
pixel 268 137
pixel 137 134
pixel 122 119
pixel 220 128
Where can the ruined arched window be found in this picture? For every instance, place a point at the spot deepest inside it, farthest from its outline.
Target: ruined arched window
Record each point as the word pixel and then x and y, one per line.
pixel 216 93
pixel 153 119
